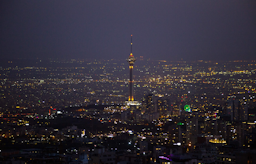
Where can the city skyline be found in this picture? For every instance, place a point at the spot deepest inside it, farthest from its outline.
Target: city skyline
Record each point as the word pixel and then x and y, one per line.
pixel 59 110
pixel 71 92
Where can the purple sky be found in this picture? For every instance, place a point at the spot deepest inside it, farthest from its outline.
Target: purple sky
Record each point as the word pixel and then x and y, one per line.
pixel 162 29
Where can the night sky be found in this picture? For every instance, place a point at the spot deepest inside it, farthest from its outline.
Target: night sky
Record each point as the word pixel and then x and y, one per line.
pixel 101 29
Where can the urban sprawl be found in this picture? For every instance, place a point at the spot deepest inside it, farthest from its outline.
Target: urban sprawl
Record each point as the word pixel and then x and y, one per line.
pixel 76 111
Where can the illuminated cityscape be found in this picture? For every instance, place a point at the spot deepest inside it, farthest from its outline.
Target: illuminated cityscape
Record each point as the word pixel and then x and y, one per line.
pixel 78 108
pixel 77 88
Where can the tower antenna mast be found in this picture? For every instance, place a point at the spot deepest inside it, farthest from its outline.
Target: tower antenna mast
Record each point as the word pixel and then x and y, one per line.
pixel 131 44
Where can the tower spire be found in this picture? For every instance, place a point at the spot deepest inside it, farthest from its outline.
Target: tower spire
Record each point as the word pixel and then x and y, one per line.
pixel 131 47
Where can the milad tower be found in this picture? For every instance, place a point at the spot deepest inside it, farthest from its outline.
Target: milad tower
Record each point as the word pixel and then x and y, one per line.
pixel 131 60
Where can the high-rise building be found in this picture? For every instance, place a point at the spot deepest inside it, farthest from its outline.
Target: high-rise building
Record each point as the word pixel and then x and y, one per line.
pixel 233 109
pixel 244 112
pixel 163 107
pixel 237 111
pixel 191 129
pixel 143 146
pixel 148 104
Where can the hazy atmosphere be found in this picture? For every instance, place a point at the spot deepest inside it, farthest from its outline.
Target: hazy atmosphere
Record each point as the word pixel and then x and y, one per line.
pixel 166 29
pixel 128 81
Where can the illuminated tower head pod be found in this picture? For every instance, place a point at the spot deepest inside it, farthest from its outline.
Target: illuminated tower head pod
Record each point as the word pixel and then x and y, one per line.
pixel 131 58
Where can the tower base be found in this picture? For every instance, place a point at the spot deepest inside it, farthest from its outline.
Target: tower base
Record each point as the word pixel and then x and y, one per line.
pixel 129 103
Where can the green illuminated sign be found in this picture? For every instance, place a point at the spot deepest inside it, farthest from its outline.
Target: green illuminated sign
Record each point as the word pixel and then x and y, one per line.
pixel 180 123
pixel 187 108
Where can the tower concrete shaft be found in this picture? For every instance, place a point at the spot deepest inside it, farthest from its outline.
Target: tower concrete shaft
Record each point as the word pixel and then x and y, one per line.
pixel 131 98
